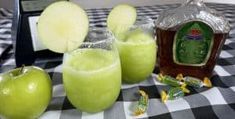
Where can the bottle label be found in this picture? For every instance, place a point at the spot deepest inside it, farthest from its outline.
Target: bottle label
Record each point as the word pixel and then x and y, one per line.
pixel 193 44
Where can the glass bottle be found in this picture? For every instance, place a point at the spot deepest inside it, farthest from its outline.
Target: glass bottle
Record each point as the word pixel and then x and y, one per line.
pixel 190 39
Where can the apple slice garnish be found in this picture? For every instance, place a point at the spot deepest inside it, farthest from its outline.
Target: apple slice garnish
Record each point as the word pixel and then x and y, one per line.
pixel 63 26
pixel 121 18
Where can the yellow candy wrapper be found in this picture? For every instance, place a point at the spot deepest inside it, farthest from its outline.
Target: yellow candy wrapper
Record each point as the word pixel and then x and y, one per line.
pixel 207 82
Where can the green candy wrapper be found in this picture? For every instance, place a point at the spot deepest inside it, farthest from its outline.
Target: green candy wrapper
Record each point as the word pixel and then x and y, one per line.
pixel 197 83
pixel 173 93
pixel 169 80
pixel 142 104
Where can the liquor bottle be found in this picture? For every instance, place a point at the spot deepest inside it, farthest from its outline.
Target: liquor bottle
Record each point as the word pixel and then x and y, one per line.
pixel 190 39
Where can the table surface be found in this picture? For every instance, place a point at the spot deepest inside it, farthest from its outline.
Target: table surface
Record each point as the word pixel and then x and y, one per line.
pixel 216 102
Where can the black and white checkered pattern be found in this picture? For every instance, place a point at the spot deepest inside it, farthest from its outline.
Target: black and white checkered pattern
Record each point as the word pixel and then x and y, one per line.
pixel 5 39
pixel 216 102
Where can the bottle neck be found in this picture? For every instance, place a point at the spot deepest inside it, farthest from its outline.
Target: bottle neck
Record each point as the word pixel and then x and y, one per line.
pixel 197 2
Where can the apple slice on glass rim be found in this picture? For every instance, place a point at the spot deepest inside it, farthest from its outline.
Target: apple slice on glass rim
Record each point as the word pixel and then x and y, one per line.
pixel 121 18
pixel 63 26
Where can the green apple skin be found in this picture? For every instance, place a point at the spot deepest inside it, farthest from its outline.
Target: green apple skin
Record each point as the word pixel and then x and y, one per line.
pixel 24 95
pixel 138 56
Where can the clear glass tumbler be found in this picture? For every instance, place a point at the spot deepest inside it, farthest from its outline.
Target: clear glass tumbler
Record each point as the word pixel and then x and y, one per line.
pixel 137 49
pixel 92 73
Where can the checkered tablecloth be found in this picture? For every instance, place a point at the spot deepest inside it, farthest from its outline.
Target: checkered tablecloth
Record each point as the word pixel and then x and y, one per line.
pixel 204 103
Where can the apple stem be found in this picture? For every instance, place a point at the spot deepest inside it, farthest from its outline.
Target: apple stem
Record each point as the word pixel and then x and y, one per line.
pixel 22 68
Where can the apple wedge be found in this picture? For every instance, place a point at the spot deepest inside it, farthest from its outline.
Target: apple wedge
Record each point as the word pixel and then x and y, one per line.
pixel 121 18
pixel 63 26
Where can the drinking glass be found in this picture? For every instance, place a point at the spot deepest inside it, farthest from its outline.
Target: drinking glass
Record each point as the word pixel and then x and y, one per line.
pixel 92 73
pixel 137 49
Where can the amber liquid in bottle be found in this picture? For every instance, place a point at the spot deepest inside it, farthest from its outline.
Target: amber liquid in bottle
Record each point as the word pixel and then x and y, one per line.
pixel 169 67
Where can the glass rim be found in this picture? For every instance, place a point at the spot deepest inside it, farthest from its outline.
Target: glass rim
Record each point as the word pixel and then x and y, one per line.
pixel 109 39
pixel 104 31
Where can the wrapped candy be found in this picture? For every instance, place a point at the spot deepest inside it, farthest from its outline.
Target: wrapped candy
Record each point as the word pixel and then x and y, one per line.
pixel 173 93
pixel 142 103
pixel 195 82
pixel 170 80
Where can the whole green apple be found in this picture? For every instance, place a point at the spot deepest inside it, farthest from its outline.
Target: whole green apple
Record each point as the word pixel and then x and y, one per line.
pixel 24 93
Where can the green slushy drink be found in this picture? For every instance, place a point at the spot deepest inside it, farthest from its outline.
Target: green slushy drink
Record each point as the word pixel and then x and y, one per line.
pixel 137 52
pixel 92 78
